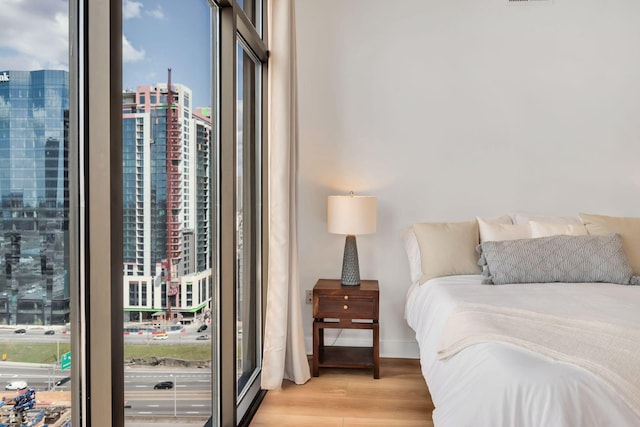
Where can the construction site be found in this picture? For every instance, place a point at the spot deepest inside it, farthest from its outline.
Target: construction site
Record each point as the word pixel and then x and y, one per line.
pixel 30 408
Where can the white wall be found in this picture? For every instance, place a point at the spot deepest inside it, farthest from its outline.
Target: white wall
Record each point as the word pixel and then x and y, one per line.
pixel 448 109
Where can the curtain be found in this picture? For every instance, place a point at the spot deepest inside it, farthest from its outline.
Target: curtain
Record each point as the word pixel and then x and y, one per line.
pixel 284 354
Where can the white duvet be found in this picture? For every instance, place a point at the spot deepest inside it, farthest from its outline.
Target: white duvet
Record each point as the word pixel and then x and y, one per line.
pixel 497 384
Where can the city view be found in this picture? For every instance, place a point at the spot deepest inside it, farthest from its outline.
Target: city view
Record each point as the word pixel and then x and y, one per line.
pixel 167 277
pixel 166 272
pixel 178 174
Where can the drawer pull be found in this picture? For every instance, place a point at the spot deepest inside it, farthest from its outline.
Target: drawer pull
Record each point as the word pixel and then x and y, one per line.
pixel 346 297
pixel 346 307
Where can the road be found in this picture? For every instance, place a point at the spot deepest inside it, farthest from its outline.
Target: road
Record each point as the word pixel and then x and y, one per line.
pixel 191 396
pixel 189 399
pixel 36 334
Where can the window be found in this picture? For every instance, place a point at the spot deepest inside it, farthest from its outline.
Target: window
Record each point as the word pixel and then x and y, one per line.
pixel 134 292
pixel 97 226
pixel 248 219
pixel 242 72
pixel 38 260
pixel 162 236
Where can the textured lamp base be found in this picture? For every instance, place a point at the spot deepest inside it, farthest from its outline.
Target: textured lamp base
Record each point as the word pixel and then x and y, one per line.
pixel 350 266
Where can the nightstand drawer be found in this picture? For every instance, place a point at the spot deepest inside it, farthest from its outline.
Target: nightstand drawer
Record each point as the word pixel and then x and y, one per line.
pixel 345 307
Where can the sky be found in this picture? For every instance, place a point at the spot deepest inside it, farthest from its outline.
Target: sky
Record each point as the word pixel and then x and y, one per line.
pixel 162 34
pixel 157 35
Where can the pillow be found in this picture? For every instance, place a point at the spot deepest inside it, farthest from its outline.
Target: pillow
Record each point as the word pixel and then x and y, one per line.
pixel 447 248
pixel 494 232
pixel 413 254
pixel 545 229
pixel 627 228
pixel 556 259
pixel 502 219
pixel 524 218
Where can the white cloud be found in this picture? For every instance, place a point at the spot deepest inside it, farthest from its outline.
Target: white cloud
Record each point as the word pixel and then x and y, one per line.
pixel 131 9
pixel 34 35
pixel 130 53
pixel 157 13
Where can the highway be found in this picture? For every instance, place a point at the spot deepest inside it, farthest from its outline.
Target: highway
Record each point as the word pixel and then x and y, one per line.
pixel 191 395
pixel 190 398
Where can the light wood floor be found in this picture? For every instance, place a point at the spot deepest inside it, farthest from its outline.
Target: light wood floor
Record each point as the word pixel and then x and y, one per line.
pixel 351 397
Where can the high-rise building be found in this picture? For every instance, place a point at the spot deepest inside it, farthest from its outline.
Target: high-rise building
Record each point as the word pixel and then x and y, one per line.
pixel 34 202
pixel 166 194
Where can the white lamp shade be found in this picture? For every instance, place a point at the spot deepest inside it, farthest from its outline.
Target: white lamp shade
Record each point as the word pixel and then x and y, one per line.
pixel 351 214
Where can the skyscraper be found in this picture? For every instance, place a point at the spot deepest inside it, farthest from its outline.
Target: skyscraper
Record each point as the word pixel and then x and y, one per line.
pixel 34 207
pixel 166 188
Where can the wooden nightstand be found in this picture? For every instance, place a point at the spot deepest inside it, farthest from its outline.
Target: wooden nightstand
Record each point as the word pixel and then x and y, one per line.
pixel 337 306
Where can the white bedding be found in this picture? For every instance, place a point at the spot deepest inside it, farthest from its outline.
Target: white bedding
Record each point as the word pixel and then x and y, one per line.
pixel 496 384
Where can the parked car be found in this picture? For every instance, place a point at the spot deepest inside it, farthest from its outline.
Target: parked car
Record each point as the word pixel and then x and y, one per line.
pixel 20 331
pixel 160 337
pixel 203 337
pixel 163 385
pixel 50 332
pixel 16 385
pixel 63 381
pixel 202 328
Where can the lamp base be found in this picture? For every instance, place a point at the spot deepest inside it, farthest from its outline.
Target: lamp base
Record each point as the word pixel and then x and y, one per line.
pixel 350 266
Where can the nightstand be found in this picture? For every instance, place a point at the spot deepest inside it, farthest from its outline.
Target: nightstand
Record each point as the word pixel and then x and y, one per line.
pixel 345 307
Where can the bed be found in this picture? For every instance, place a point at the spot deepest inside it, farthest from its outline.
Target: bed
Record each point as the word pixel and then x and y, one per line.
pixel 556 353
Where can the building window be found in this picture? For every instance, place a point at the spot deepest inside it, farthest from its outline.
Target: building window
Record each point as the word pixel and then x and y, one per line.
pixel 189 294
pixel 134 294
pixel 144 294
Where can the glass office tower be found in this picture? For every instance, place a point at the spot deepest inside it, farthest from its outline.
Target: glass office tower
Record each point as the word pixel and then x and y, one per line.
pixel 34 203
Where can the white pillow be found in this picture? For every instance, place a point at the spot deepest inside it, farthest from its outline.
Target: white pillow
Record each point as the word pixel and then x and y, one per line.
pixel 498 232
pixel 546 229
pixel 524 218
pixel 502 219
pixel 412 249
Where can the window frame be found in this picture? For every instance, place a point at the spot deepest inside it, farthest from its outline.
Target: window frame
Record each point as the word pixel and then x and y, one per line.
pixel 95 167
pixel 233 25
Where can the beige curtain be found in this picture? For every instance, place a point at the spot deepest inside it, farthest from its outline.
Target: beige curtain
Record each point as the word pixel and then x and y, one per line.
pixel 284 350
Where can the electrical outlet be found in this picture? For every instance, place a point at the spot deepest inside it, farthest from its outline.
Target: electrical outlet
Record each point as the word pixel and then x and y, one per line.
pixel 309 296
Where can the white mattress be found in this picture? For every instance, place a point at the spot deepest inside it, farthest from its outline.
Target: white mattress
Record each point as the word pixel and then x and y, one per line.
pixel 493 384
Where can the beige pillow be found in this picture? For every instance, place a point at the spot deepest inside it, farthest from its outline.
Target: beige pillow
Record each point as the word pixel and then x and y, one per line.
pixel 627 228
pixel 498 232
pixel 447 248
pixel 546 229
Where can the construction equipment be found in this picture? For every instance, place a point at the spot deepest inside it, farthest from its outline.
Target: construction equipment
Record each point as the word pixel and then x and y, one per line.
pixel 22 403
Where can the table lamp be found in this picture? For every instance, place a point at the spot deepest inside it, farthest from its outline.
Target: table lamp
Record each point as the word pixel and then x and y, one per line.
pixel 351 215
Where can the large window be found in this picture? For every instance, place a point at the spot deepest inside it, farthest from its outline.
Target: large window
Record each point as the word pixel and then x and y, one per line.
pixel 249 218
pixel 192 188
pixel 38 257
pixel 242 70
pixel 131 207
pixel 168 193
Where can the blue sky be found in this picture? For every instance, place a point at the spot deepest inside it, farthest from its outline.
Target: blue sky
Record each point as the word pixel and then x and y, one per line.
pixel 162 34
pixel 157 35
pixel 34 35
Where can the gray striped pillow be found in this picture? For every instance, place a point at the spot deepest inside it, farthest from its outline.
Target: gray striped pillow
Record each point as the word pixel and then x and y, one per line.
pixel 556 259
